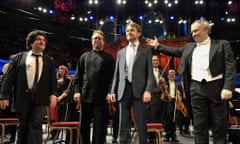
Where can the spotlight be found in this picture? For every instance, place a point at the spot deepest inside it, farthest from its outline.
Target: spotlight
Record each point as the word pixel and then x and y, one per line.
pixel 140 17
pixel 44 10
pixel 91 17
pixel 111 17
pixel 171 17
pixel 50 12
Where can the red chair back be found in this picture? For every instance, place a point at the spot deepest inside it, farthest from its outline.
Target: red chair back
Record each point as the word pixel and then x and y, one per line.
pixel 53 113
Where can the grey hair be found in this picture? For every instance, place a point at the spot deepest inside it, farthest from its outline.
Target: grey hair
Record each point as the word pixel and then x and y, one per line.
pixel 99 32
pixel 204 25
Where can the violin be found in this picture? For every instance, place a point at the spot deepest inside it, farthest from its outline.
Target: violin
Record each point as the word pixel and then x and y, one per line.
pixel 77 107
pixel 112 109
pixel 163 85
pixel 180 105
pixel 163 88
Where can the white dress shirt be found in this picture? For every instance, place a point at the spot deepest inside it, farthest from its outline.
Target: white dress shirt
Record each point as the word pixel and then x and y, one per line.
pixel 156 74
pixel 200 62
pixel 131 51
pixel 31 68
pixel 172 88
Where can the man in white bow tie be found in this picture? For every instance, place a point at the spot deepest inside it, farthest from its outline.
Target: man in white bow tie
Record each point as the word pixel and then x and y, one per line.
pixel 209 72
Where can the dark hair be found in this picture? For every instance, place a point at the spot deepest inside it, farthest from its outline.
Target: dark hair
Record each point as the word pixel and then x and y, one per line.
pixel 31 37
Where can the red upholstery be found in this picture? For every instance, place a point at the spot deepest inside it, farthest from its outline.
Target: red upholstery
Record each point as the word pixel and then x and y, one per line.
pixel 53 114
pixel 154 126
pixel 53 123
pixel 66 123
pixel 8 120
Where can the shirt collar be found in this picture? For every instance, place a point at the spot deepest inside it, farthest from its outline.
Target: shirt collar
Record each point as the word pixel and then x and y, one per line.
pixel 135 44
pixel 205 42
pixel 31 53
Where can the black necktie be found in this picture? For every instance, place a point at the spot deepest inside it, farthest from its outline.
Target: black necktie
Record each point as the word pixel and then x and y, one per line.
pixel 36 71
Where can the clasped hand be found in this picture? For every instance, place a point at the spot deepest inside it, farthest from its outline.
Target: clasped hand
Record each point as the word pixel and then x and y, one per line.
pixel 4 104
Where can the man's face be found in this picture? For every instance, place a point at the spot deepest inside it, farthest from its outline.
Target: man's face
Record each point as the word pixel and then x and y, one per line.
pixel 39 44
pixel 97 42
pixel 198 33
pixel 155 61
pixel 171 75
pixel 132 33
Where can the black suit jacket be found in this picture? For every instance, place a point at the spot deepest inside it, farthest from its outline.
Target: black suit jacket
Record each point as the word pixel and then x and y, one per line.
pixel 16 77
pixel 93 76
pixel 221 61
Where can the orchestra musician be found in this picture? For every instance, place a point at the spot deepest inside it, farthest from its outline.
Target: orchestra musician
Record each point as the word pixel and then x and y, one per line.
pixel 170 119
pixel 183 115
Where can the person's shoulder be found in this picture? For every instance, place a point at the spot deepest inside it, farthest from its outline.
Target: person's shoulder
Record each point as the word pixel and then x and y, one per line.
pixel 86 53
pixel 17 55
pixel 191 44
pixel 122 50
pixel 221 41
pixel 108 55
pixel 48 56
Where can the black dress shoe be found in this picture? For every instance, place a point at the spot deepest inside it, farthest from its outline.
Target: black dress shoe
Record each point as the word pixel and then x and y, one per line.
pixel 175 140
pixel 166 140
pixel 114 141
pixel 186 132
pixel 181 132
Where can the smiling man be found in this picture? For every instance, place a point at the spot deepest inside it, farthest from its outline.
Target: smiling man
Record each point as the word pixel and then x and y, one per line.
pixel 209 74
pixel 33 77
pixel 91 83
pixel 132 84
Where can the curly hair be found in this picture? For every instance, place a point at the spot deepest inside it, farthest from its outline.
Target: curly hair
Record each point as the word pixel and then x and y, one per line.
pixel 31 37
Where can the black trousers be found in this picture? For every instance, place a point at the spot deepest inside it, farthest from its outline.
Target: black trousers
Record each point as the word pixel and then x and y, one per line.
pixel 170 120
pixel 98 114
pixel 209 112
pixel 29 130
pixel 139 109
pixel 157 108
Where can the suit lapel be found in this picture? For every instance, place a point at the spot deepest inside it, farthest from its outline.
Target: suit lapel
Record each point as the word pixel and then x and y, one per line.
pixel 23 64
pixel 139 51
pixel 213 49
pixel 122 62
pixel 44 67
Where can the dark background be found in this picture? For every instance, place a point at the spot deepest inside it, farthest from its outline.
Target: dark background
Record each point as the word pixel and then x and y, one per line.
pixel 68 39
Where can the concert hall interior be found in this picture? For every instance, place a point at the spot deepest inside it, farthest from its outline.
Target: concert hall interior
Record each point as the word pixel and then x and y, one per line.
pixel 70 23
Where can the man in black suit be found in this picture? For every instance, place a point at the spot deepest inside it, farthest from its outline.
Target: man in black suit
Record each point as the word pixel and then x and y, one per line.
pixel 32 74
pixel 132 83
pixel 171 111
pixel 9 111
pixel 91 83
pixel 157 107
pixel 209 72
